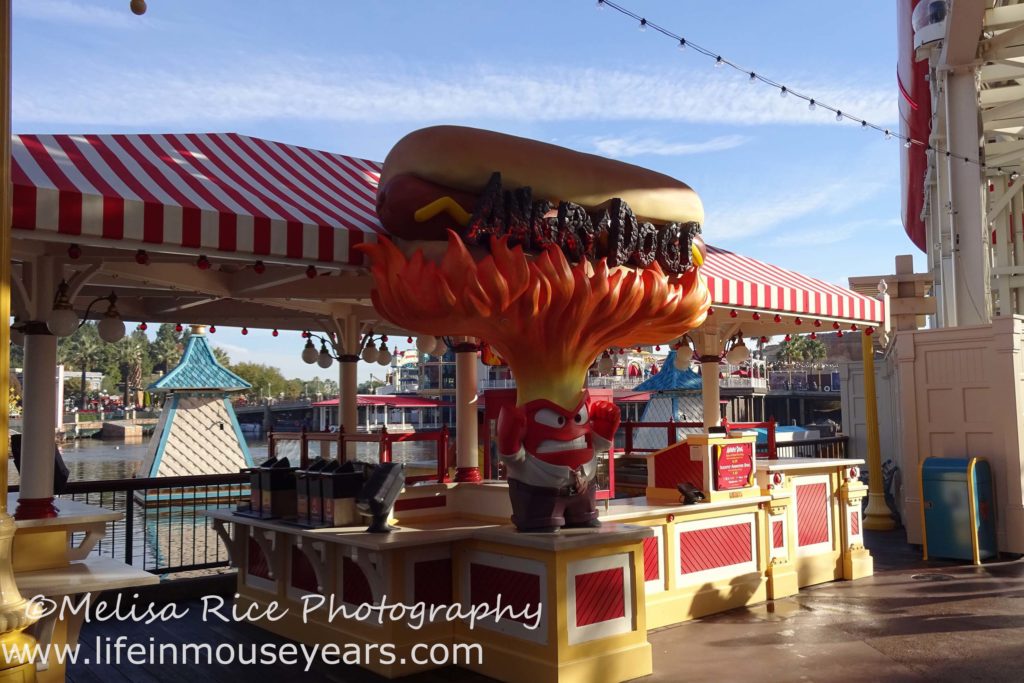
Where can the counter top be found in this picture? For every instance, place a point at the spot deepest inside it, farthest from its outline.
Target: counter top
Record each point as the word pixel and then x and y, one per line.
pixel 444 531
pixel 69 512
pixel 784 464
pixel 631 508
pixel 84 576
pixel 418 534
pixel 565 539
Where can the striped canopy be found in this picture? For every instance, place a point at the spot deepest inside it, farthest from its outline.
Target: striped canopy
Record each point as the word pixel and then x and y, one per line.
pixel 232 194
pixel 220 193
pixel 743 282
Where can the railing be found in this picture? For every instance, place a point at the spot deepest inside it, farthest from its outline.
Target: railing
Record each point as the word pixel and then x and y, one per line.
pixel 832 447
pixel 671 434
pixel 162 531
pixel 737 382
pixel 765 450
pixel 384 439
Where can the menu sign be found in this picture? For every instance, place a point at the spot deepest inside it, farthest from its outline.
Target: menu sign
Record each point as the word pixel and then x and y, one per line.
pixel 734 465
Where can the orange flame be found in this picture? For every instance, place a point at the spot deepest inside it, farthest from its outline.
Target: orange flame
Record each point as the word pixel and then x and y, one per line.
pixel 548 319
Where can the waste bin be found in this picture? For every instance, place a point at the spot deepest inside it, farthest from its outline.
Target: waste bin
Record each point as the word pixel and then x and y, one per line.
pixel 957 509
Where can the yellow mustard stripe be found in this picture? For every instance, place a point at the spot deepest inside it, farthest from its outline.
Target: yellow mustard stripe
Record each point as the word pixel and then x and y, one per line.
pixel 442 205
pixel 698 260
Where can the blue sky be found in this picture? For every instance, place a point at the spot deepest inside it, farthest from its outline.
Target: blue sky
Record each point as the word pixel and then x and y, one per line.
pixel 779 182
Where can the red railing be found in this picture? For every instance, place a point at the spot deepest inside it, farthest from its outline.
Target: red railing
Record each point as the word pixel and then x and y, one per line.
pixel 383 438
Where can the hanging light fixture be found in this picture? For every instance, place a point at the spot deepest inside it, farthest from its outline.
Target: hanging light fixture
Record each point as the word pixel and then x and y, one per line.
pixel 370 352
pixel 383 356
pixel 425 343
pixel 309 353
pixel 738 352
pixel 63 321
pixel 324 359
pixel 111 327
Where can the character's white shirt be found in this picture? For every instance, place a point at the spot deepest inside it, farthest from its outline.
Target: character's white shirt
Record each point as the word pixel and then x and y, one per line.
pixel 531 470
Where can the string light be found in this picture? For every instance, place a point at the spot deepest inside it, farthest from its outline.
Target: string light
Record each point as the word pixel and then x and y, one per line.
pixel 213 329
pixel 754 77
pixel 245 331
pixel 74 252
pixel 756 316
pixel 178 327
pixel 275 332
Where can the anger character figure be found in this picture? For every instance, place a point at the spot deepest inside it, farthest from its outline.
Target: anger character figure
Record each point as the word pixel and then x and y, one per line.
pixel 550 454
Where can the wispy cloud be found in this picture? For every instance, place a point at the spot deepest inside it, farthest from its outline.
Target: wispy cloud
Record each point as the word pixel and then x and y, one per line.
pixel 621 147
pixel 295 89
pixel 70 12
pixel 833 234
pixel 761 215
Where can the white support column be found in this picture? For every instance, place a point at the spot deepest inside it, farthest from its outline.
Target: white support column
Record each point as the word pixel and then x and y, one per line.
pixel 466 439
pixel 971 234
pixel 710 348
pixel 348 418
pixel 39 398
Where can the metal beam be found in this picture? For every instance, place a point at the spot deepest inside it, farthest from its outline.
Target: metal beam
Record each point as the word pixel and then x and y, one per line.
pixel 1006 38
pixel 964 24
pixel 999 18
pixel 993 96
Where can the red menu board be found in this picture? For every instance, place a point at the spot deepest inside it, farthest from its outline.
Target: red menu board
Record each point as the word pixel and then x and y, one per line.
pixel 734 465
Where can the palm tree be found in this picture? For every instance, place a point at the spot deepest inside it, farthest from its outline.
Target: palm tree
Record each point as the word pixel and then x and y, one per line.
pixel 815 353
pixel 82 350
pixel 129 353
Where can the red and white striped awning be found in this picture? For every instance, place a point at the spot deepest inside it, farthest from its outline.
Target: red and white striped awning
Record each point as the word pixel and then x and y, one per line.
pixel 232 194
pixel 743 282
pixel 216 193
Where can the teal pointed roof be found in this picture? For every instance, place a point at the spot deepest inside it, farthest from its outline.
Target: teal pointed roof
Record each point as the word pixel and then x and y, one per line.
pixel 671 379
pixel 199 370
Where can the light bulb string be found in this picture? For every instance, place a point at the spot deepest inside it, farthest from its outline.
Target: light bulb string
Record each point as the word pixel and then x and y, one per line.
pixel 840 114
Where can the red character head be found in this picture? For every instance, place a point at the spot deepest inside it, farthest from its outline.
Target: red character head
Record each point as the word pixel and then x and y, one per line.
pixel 556 435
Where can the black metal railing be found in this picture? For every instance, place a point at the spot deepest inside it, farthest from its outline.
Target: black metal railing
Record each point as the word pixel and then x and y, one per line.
pixel 162 530
pixel 832 447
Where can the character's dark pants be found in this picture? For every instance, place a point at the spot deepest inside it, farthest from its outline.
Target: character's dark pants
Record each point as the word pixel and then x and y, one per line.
pixel 538 507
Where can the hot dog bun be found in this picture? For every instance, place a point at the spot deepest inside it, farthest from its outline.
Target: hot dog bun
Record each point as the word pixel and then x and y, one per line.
pixel 463 159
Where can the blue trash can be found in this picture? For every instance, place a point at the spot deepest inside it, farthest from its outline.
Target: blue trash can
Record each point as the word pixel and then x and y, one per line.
pixel 958 509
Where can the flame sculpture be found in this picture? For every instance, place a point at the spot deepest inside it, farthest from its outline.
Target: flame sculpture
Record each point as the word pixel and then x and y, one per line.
pixel 547 318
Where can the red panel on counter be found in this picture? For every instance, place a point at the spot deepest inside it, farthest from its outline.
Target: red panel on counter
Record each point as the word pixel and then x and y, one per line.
pixel 257 564
pixel 721 546
pixel 600 596
pixel 673 466
pixel 355 587
pixel 303 574
pixel 652 559
pixel 519 590
pixel 778 535
pixel 812 514
pixel 432 581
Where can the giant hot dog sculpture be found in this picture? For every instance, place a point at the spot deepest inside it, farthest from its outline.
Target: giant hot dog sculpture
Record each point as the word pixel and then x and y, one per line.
pixel 551 256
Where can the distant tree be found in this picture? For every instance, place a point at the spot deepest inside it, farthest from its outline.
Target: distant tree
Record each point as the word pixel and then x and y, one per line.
pixel 166 349
pixel 265 380
pixel 83 351
pixel 369 386
pixel 221 355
